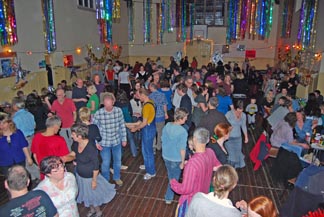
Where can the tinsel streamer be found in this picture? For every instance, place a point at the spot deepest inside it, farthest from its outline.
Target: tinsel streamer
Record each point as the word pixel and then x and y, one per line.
pixel 130 11
pixel 269 19
pixel 158 24
pixel 252 19
pixel 230 20
pixel 301 21
pixel 8 28
pixel 104 19
pixel 178 20
pixel 116 11
pixel 147 14
pixel 183 20
pixel 284 19
pixel 163 18
pixel 192 19
pixel 170 15
pixel 234 19
pixel 287 16
pixel 49 25
pixel 307 22
pixel 238 19
pixel 258 17
pixel 244 10
pixel 313 31
pixel 262 19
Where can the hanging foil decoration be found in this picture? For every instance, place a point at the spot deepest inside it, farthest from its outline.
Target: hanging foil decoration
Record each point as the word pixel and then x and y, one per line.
pixel 178 20
pixel 104 19
pixel 170 15
pixel 314 25
pixel 183 20
pixel 287 16
pixel 252 31
pixel 192 20
pixel 244 20
pixel 116 11
pixel 252 16
pixel 307 24
pixel 163 19
pixel 8 28
pixel 159 30
pixel 130 11
pixel 49 25
pixel 147 14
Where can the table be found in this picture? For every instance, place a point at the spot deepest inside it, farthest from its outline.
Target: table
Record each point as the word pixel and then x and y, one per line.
pixel 316 149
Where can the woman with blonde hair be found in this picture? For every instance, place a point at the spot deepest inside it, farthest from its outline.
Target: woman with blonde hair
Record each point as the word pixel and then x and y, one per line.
pixel 216 203
pixel 13 146
pixel 93 102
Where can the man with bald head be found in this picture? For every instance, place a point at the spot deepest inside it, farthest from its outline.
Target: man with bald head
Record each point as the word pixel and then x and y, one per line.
pixel 66 110
pixel 22 202
pixel 79 94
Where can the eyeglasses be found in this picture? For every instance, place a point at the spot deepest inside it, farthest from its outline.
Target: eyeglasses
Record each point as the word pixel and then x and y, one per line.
pixel 57 169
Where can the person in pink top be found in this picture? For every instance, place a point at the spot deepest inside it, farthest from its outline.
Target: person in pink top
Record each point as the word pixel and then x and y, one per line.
pixel 198 171
pixel 66 110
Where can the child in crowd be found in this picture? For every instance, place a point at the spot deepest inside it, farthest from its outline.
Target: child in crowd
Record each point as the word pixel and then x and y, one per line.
pixel 251 110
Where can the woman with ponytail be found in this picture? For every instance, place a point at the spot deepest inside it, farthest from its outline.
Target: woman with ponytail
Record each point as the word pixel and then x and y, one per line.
pixel 216 203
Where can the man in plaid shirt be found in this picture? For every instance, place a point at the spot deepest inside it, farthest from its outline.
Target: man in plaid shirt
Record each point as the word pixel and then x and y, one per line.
pixel 110 121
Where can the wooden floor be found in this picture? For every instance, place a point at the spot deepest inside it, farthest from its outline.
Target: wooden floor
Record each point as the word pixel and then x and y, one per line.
pixel 146 198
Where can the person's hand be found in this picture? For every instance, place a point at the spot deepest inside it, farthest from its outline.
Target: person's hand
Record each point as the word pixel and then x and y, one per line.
pixel 30 161
pixel 304 145
pixel 241 205
pixel 124 144
pixel 99 147
pixel 182 165
pixel 246 140
pixel 84 100
pixel 94 184
pixel 133 129
pixel 166 116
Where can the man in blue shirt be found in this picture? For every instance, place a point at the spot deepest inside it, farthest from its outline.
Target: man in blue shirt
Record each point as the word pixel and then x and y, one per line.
pixel 161 115
pixel 24 121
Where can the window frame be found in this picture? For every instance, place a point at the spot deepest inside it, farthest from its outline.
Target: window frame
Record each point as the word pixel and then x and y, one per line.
pixel 218 6
pixel 83 7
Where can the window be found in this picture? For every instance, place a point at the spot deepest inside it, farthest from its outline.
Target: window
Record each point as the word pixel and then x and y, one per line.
pixel 210 12
pixel 89 4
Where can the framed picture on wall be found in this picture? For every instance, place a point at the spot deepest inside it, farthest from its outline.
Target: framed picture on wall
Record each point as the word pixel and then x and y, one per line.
pixel 6 68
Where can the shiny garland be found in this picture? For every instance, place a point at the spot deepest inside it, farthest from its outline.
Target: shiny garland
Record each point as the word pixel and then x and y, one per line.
pixel 105 53
pixel 49 25
pixel 8 28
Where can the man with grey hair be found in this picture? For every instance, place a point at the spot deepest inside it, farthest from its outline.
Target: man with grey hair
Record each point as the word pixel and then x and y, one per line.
pixel 22 202
pixel 111 124
pixel 198 171
pixel 24 121
pixel 49 143
pixel 213 117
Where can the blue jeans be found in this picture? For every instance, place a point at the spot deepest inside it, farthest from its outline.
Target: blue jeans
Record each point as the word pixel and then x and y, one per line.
pixel 148 133
pixel 174 171
pixel 106 160
pixel 131 142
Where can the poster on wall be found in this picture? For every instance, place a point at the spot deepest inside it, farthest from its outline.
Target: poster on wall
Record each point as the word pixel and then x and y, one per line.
pixel 250 53
pixel 68 61
pixel 6 68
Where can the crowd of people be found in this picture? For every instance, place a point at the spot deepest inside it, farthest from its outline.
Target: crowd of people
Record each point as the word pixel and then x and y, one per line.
pixel 197 118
